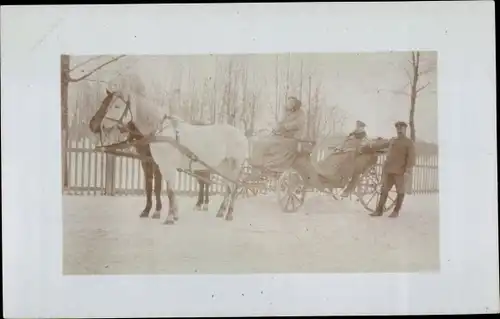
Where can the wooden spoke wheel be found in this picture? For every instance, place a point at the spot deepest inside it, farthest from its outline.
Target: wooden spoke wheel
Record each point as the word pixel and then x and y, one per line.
pixel 291 191
pixel 336 192
pixel 246 191
pixel 369 188
pixel 249 187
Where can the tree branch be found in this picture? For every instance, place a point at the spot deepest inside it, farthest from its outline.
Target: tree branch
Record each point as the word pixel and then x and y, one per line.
pixel 422 87
pixel 96 69
pixel 84 62
pixel 397 92
pixel 426 71
pixel 408 74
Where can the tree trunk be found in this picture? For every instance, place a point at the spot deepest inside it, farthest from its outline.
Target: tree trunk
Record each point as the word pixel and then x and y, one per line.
pixel 413 94
pixel 277 101
pixel 64 116
pixel 301 79
pixel 309 106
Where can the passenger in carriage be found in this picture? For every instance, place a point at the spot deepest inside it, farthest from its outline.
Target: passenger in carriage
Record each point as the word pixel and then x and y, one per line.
pixel 359 134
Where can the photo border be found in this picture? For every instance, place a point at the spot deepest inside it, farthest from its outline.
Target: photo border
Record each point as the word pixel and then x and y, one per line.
pixel 33 38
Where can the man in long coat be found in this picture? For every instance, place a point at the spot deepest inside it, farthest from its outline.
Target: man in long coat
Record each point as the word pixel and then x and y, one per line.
pixel 398 166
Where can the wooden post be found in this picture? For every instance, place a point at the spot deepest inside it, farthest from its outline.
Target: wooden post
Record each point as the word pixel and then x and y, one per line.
pixel 109 186
pixel 64 115
pixel 276 115
pixel 64 168
pixel 301 75
pixel 309 111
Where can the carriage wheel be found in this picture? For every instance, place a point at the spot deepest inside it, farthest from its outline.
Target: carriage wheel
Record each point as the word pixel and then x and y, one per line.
pixel 291 191
pixel 336 192
pixel 246 191
pixel 369 189
pixel 248 187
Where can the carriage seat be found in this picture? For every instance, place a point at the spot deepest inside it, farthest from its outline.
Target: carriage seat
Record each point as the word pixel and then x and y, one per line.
pixel 305 146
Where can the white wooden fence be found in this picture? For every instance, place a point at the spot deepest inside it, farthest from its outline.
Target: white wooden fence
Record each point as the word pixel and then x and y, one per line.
pixel 96 173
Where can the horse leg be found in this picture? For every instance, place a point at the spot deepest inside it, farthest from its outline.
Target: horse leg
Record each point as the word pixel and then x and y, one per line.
pixel 207 190
pixel 200 196
pixel 223 205
pixel 148 174
pixel 232 198
pixel 234 195
pixel 172 209
pixel 158 180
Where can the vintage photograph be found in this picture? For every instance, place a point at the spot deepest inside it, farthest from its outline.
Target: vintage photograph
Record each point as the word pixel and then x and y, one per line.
pixel 250 163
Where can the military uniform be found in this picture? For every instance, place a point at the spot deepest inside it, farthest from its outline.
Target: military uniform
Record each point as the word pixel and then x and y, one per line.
pixel 360 134
pixel 400 160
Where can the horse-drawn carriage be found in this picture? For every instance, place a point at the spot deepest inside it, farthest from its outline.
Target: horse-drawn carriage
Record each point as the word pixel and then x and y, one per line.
pixel 221 149
pixel 292 183
pixel 356 169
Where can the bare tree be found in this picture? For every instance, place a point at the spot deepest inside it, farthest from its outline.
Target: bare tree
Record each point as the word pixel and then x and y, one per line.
pixel 66 79
pixel 414 73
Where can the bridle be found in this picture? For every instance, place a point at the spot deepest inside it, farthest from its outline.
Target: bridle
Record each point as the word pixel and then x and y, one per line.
pixel 118 121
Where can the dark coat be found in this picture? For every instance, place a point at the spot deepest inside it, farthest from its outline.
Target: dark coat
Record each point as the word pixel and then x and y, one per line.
pixel 400 157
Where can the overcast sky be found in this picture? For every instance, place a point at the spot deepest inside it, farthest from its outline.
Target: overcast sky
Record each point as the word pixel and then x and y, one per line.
pixel 360 84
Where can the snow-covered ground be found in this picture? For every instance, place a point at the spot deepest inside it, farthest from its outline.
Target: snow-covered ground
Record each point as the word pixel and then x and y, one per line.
pixel 104 235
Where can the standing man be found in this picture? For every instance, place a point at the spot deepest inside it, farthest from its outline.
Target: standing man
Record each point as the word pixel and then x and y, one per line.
pixel 398 165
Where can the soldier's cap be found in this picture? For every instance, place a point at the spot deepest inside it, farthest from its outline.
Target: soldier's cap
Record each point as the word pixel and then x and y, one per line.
pixel 296 101
pixel 400 124
pixel 360 123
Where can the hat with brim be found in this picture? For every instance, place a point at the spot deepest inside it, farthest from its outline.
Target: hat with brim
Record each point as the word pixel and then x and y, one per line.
pixel 400 124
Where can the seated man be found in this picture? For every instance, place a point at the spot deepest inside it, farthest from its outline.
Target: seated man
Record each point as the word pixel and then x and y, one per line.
pixel 359 132
pixel 278 152
pixel 359 135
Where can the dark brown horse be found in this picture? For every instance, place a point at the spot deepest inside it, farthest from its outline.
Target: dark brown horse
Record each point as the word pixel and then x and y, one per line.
pixel 204 190
pixel 150 168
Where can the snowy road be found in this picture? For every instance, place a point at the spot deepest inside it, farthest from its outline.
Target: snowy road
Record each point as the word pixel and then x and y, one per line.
pixel 104 235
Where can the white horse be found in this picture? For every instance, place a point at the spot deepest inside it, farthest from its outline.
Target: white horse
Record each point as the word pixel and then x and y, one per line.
pixel 221 146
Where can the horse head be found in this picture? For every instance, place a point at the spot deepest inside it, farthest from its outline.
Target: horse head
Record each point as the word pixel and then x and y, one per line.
pixel 115 111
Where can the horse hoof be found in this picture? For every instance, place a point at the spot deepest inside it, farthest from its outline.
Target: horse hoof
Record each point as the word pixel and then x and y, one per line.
pixel 197 207
pixel 168 222
pixel 229 217
pixel 219 215
pixel 156 215
pixel 144 214
pixel 176 218
pixel 205 207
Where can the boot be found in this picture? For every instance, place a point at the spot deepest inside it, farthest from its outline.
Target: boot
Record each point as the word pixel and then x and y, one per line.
pixel 381 203
pixel 397 208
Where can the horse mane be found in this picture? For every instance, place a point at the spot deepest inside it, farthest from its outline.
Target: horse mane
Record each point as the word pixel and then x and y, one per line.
pixel 148 115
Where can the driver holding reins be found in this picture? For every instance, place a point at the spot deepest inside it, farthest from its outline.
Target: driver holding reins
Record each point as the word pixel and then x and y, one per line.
pixel 277 150
pixel 293 124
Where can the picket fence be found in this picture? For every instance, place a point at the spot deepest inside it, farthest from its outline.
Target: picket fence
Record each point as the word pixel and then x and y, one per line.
pixel 96 173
